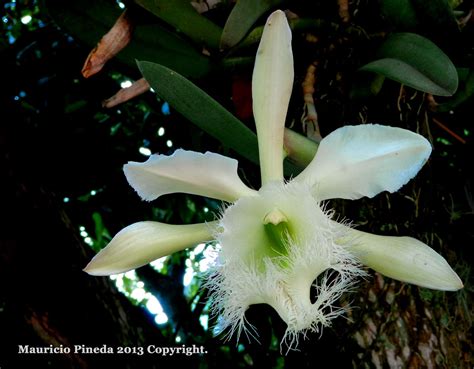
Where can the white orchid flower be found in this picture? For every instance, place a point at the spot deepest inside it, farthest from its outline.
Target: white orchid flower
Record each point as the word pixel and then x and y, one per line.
pixel 277 243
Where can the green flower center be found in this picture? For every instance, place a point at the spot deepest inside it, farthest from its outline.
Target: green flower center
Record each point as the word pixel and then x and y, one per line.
pixel 261 229
pixel 277 230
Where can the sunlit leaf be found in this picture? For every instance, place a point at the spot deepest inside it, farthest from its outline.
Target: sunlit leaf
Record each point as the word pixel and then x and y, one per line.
pixel 102 235
pixel 243 16
pixel 181 15
pixel 417 62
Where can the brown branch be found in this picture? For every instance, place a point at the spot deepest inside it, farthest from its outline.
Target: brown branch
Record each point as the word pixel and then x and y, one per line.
pixel 449 131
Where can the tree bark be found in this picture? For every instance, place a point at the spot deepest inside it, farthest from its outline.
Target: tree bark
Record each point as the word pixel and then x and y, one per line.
pixel 402 326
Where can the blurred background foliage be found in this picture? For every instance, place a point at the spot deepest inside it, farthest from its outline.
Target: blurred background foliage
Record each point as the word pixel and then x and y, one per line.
pixel 405 63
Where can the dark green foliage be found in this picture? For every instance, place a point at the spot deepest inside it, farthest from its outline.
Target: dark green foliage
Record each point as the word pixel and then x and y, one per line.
pixel 415 61
pixel 88 21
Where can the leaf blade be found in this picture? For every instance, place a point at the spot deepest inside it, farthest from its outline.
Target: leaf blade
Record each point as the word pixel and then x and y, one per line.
pixel 417 62
pixel 206 113
pixel 181 15
pixel 243 16
pixel 201 109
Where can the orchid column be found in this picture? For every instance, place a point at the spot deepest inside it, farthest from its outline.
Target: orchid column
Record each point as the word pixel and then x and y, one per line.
pixel 276 242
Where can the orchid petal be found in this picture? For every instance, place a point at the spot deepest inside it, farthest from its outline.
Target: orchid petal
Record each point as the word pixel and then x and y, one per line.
pixel 272 83
pixel 208 174
pixel 357 161
pixel 143 242
pixel 405 259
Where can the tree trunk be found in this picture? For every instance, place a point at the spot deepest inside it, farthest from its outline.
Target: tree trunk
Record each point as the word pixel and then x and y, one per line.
pixel 401 326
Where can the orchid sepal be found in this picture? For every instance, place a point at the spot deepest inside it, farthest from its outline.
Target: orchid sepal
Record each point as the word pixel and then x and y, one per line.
pixel 403 258
pixel 143 242
pixel 272 83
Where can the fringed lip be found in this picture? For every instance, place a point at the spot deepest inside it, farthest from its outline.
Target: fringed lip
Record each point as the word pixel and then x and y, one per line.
pixel 248 273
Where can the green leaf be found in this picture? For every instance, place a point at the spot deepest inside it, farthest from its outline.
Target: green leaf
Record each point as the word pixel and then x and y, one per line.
pixel 400 13
pixel 366 85
pixel 151 42
pixel 89 20
pixel 417 62
pixel 436 16
pixel 102 235
pixel 201 109
pixel 304 25
pixel 182 16
pixel 464 94
pixel 243 16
